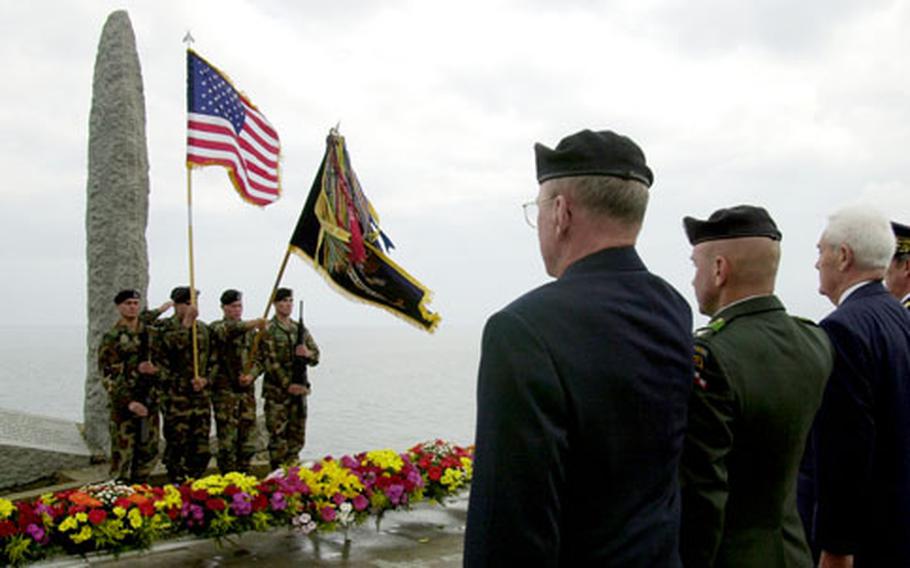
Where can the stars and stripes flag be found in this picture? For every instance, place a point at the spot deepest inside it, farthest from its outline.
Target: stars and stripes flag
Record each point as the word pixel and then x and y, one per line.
pixel 225 129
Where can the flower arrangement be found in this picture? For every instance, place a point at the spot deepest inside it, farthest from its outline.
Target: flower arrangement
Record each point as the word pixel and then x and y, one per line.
pixel 327 495
pixel 445 467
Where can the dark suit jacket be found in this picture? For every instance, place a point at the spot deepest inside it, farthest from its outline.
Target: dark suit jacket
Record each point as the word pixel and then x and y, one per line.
pixel 862 433
pixel 581 409
pixel 760 378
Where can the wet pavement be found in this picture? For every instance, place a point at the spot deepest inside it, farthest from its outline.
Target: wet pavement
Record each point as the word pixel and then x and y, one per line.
pixel 427 536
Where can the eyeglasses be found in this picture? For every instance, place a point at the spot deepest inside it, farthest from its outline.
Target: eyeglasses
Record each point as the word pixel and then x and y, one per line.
pixel 531 208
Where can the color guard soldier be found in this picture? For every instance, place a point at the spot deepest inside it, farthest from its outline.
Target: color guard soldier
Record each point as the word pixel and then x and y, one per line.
pixel 233 392
pixel 285 401
pixel 187 407
pixel 759 379
pixel 125 357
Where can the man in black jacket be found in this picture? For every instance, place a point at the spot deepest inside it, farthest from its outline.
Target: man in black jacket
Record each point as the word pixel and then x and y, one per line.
pixel 583 382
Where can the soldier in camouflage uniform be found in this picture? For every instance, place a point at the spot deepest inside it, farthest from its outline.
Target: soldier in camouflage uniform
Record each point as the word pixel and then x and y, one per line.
pixel 233 391
pixel 186 404
pixel 285 402
pixel 125 357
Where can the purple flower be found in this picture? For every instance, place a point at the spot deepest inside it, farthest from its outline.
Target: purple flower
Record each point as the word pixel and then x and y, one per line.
pixel 43 509
pixel 241 504
pixel 361 502
pixel 394 493
pixel 278 501
pixel 415 478
pixel 36 532
pixel 328 514
pixel 338 498
pixel 349 462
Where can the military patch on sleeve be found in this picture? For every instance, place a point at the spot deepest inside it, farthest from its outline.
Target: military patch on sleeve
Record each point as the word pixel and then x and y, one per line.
pixel 698 358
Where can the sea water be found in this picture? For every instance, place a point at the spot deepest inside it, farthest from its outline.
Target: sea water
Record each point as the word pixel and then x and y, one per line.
pixel 374 388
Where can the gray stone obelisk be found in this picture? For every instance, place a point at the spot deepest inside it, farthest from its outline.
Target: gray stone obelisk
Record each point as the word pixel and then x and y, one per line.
pixel 116 204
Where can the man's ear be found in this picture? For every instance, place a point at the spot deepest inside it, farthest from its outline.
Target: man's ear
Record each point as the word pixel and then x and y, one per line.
pixel 562 210
pixel 844 258
pixel 721 270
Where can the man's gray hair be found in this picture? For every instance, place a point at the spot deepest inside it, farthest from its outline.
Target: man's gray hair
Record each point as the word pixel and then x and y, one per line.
pixel 621 199
pixel 866 231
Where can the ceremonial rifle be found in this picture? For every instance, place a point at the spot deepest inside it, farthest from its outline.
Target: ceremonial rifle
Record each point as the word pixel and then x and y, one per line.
pixel 142 387
pixel 299 370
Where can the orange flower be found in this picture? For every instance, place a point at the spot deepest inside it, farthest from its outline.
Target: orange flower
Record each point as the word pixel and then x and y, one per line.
pixel 137 498
pixel 80 498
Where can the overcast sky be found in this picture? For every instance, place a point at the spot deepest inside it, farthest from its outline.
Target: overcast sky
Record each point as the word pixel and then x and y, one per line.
pixel 799 107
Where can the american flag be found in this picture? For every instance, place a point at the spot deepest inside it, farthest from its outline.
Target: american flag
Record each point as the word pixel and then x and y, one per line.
pixel 224 128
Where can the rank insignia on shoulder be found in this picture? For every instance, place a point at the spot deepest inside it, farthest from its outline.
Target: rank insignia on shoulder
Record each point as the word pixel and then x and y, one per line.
pixel 700 382
pixel 717 324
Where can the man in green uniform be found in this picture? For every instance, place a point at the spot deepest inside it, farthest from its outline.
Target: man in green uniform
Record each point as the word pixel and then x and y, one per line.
pixel 233 392
pixel 285 400
pixel 186 405
pixel 897 278
pixel 759 379
pixel 125 357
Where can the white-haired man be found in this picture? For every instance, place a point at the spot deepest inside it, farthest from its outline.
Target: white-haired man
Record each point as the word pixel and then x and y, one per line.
pixel 860 447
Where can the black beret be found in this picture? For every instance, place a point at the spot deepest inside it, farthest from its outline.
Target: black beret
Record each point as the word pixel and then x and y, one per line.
pixel 124 295
pixel 230 296
pixel 902 233
pixel 181 295
pixel 732 223
pixel 588 153
pixel 283 293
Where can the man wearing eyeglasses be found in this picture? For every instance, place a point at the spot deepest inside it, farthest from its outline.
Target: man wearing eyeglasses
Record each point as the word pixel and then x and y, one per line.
pixel 583 382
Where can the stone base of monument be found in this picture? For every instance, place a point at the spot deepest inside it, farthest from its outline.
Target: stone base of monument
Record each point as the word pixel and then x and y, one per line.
pixel 34 448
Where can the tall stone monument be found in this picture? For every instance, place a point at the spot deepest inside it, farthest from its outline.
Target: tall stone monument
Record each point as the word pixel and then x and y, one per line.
pixel 117 201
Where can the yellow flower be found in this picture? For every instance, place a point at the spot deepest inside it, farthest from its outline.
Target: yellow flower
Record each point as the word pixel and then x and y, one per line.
pixel 452 478
pixel 6 508
pixel 119 512
pixel 135 518
pixel 68 523
pixel 81 517
pixel 468 466
pixel 244 482
pixel 386 459
pixel 214 484
pixel 171 498
pixel 83 535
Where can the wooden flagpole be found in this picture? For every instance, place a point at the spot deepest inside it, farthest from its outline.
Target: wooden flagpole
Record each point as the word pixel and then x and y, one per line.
pixel 254 349
pixel 189 230
pixel 188 40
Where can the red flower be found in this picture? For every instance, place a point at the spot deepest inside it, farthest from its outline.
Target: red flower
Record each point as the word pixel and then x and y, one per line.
pixel 97 516
pixel 260 502
pixel 173 513
pixel 123 502
pixel 7 529
pixel 200 495
pixel 435 473
pixel 214 504
pixel 147 509
pixel 231 490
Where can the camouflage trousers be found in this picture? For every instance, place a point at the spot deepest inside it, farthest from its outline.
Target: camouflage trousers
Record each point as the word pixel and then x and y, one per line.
pixel 187 424
pixel 133 459
pixel 286 423
pixel 235 424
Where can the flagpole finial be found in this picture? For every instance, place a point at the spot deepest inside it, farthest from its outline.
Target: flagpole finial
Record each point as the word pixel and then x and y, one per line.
pixel 335 130
pixel 188 39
